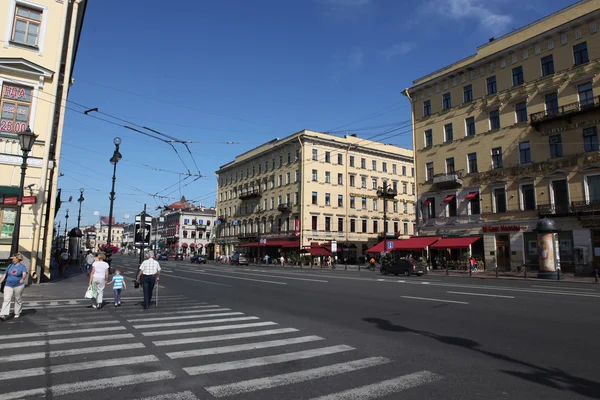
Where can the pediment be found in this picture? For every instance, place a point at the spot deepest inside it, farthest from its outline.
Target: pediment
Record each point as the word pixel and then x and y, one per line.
pixel 20 66
pixel 526 178
pixel 593 167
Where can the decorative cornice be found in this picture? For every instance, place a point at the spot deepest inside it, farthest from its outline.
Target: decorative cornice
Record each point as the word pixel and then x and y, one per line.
pixel 16 160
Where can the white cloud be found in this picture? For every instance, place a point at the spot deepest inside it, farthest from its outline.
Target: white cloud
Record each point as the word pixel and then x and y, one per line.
pixel 479 10
pixel 399 49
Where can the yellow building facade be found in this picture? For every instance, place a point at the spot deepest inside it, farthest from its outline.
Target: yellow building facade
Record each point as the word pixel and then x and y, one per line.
pixel 313 187
pixel 510 135
pixel 38 47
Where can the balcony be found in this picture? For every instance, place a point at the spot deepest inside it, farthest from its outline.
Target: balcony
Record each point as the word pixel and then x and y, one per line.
pixel 587 207
pixel 564 112
pixel 249 194
pixel 247 236
pixel 284 207
pixel 555 210
pixel 449 180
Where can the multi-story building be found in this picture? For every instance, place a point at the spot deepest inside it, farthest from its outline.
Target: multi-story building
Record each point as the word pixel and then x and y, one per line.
pixel 510 135
pixel 314 187
pixel 39 43
pixel 117 235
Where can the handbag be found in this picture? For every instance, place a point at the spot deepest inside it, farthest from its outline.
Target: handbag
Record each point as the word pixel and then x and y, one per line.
pixel 3 283
pixel 91 292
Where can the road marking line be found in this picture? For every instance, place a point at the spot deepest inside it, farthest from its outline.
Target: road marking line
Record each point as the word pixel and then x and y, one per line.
pixel 63 341
pixel 57 369
pixel 67 332
pixel 238 277
pixel 243 347
pixel 208 329
pixel 253 385
pixel 87 386
pixel 187 395
pixel 70 352
pixel 401 281
pixel 208 321
pixel 384 388
pixel 425 283
pixel 197 280
pixel 482 294
pixel 217 338
pixel 268 360
pixel 281 277
pixel 428 299
pixel 186 317
pixel 68 301
pixel 561 288
pixel 55 325
pixel 380 280
pixel 137 314
pixel 506 289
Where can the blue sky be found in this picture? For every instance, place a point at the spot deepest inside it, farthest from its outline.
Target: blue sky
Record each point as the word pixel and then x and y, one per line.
pixel 246 72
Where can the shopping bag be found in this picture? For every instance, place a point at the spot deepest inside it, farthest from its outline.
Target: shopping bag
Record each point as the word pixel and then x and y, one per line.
pixel 89 293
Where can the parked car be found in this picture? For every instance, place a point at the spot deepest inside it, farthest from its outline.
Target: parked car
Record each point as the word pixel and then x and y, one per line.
pixel 163 257
pixel 198 259
pixel 240 259
pixel 179 256
pixel 402 266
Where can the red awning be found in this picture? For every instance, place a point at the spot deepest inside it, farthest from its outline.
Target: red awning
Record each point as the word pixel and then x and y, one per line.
pixel 472 195
pixel 283 243
pixel 291 244
pixel 416 243
pixel 455 243
pixel 449 198
pixel 378 248
pixel 318 251
pixel 184 245
pixel 428 201
pixel 254 244
pixel 192 244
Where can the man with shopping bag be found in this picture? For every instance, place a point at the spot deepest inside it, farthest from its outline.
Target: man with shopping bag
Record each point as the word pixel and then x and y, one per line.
pixel 148 275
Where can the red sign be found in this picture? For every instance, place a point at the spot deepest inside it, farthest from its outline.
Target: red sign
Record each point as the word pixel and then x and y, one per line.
pixel 10 200
pixel 17 93
pixel 501 228
pixel 297 227
pixel 29 200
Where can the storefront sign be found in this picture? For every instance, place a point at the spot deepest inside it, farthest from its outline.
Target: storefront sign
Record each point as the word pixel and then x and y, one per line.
pixel 29 200
pixel 570 127
pixel 501 228
pixel 10 200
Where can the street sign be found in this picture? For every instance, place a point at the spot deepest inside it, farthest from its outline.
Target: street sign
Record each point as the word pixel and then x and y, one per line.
pixel 334 246
pixel 390 245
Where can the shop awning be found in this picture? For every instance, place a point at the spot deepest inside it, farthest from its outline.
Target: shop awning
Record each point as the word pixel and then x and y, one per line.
pixel 253 244
pixel 449 198
pixel 192 244
pixel 379 247
pixel 428 201
pixel 283 243
pixel 318 251
pixel 455 243
pixel 184 245
pixel 416 243
pixel 472 196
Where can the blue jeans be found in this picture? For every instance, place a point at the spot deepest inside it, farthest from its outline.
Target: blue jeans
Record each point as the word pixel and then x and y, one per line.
pixel 117 296
pixel 148 286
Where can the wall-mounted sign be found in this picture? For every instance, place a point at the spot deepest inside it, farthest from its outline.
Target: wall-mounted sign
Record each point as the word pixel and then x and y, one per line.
pixel 501 228
pixel 570 127
pixel 29 200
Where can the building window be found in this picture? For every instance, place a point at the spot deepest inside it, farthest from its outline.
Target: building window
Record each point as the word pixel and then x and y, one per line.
pixel 429 171
pixel 412 186
pixel 495 119
pixel 448 133
pixel 395 208
pixel 491 85
pixel 555 142
pixel 280 161
pixel 7 222
pixel 16 107
pixel 288 178
pixel 547 65
pixel 470 126
pixel 428 138
pixel 352 161
pixel 586 95
pixel 474 203
pixel 327 199
pixel 374 165
pixel 327 157
pixel 363 182
pixel 524 153
pixel 340 159
pixel 404 170
pixel 405 226
pixel 352 225
pixel 297 176
pixel 352 180
pixel 450 165
pixel 26 28
pixel 296 198
pixel 340 225
pixel 297 154
pixel 405 207
pixel 468 93
pixel 364 226
pixel 340 200
pixel 517 76
pixel 395 186
pixel 527 197
pixel 315 221
pixel 404 188
pixel 374 204
pixel 472 161
pixel 327 177
pixel 426 108
pixel 446 101
pixel 352 202
pixel 590 139
pixel 497 157
pixel 340 180
pixel 384 167
pixel 363 203
pixel 315 198
pixel 593 188
pixel 363 163
pixel 580 53
pixel 551 102
pixel 315 155
pixel 499 200
pixel 521 112
pixel 279 180
pixel 315 175
pixel 375 227
pixel 394 169
pixel 289 158
pixel 272 164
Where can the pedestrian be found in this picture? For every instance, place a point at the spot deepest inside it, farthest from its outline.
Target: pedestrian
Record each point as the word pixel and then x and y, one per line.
pixel 98 278
pixel 149 273
pixel 372 262
pixel 282 260
pixel 473 263
pixel 119 285
pixel 267 259
pixel 64 262
pixel 89 260
pixel 15 276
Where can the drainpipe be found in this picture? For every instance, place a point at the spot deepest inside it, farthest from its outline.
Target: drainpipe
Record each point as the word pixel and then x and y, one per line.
pixel 301 205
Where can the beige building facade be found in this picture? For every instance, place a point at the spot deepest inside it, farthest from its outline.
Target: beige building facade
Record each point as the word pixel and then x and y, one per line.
pixel 39 40
pixel 313 187
pixel 510 135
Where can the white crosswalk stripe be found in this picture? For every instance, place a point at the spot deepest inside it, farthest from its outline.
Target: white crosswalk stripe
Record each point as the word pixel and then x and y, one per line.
pixel 186 317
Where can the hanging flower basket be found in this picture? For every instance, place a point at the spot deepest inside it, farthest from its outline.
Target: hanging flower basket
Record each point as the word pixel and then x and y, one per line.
pixel 109 248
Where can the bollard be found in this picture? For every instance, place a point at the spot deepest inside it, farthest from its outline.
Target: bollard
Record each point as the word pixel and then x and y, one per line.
pixel 596 277
pixel 525 273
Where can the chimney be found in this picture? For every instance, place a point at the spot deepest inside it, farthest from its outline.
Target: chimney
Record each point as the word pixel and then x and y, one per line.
pixel 353 135
pixel 491 40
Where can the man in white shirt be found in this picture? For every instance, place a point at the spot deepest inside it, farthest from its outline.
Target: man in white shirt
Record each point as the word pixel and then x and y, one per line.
pixel 149 273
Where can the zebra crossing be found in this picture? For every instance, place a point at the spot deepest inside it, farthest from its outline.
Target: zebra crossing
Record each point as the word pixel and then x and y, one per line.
pixel 185 350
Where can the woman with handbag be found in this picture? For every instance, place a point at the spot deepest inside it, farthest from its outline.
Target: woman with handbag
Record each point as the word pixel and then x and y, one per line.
pixel 14 284
pixel 98 278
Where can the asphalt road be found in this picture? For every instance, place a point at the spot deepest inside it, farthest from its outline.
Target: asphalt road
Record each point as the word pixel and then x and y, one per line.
pixel 279 333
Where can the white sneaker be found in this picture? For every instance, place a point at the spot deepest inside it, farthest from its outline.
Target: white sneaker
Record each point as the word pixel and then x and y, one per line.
pixel 94 306
pixel 17 315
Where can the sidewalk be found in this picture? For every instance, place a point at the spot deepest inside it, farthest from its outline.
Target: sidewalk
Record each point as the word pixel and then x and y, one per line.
pixel 74 285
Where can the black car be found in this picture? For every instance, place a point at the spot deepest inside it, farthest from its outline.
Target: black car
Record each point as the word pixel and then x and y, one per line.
pixel 198 259
pixel 402 266
pixel 179 256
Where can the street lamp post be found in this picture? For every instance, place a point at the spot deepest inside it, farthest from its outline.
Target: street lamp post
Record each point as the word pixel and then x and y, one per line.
pixel 26 140
pixel 80 200
pixel 113 160
pixel 386 193
pixel 66 222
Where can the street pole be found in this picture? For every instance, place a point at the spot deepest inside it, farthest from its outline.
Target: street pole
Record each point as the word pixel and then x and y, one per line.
pixel 65 237
pixel 385 193
pixel 259 212
pixel 143 227
pixel 113 160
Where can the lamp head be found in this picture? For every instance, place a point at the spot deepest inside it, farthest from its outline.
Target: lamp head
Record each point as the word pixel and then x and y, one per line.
pixel 27 139
pixel 117 141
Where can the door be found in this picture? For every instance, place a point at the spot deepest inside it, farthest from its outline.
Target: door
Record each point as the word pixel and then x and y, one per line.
pixel 503 252
pixel 561 196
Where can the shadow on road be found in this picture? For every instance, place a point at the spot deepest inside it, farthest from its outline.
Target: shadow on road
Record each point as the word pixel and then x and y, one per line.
pixel 552 377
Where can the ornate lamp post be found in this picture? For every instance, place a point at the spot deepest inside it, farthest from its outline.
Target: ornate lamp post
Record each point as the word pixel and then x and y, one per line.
pixel 66 222
pixel 26 139
pixel 113 160
pixel 80 200
pixel 386 193
pixel 76 232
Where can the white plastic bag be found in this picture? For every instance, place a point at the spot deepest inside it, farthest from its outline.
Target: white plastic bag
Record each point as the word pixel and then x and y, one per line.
pixel 89 294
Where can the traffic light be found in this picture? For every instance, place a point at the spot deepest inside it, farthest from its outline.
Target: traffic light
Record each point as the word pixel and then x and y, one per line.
pixel 142 233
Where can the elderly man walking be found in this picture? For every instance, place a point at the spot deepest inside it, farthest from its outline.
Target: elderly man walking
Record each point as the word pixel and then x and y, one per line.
pixel 148 275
